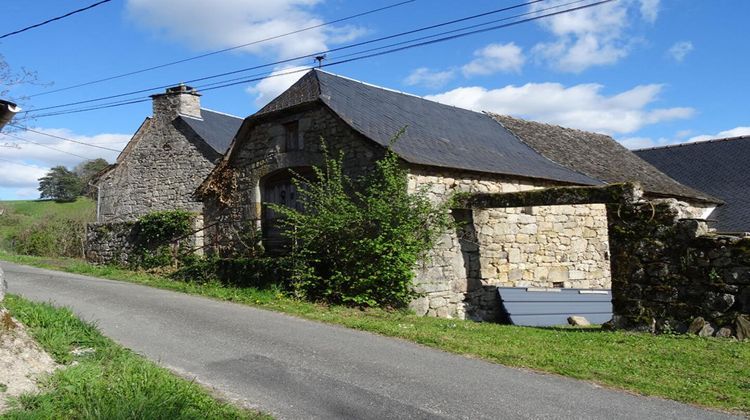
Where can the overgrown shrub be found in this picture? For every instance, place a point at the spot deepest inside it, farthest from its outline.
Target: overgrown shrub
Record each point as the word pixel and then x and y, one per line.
pixel 358 242
pixel 53 237
pixel 258 272
pixel 160 238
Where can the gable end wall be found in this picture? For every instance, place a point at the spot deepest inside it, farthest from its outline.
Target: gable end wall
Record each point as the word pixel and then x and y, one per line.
pixel 160 171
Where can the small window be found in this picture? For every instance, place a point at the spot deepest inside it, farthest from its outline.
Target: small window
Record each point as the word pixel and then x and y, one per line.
pixel 292 139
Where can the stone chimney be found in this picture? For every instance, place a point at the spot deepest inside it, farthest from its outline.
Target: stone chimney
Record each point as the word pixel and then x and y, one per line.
pixel 177 100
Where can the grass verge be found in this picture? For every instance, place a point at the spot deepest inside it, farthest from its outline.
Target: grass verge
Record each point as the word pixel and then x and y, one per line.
pixel 106 381
pixel 709 372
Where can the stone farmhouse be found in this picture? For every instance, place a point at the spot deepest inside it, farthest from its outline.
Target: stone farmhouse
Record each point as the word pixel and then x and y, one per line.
pixel 719 167
pixel 446 150
pixel 166 159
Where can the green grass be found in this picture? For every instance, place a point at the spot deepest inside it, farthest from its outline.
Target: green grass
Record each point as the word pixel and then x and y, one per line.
pixel 709 372
pixel 109 383
pixel 19 215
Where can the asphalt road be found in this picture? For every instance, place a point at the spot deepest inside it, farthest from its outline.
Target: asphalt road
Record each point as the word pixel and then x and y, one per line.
pixel 298 369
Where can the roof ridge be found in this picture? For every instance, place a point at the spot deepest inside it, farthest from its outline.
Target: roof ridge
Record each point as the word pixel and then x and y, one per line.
pixel 413 95
pixel 512 133
pixel 222 113
pixel 548 124
pixel 371 84
pixel 691 143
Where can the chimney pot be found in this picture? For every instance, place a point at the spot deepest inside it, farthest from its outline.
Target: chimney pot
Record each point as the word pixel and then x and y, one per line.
pixel 175 101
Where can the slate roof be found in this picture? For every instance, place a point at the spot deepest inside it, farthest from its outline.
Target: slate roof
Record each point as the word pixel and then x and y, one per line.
pixel 436 134
pixel 598 156
pixel 446 136
pixel 720 167
pixel 215 128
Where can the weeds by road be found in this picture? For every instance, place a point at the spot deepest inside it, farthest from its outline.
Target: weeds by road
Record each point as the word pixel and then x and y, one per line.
pixel 103 380
pixel 709 372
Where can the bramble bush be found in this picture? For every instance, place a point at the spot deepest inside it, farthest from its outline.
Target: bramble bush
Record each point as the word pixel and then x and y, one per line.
pixel 158 238
pixel 357 242
pixel 52 237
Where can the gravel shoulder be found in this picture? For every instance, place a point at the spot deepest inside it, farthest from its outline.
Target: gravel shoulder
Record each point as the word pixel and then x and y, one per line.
pixel 22 361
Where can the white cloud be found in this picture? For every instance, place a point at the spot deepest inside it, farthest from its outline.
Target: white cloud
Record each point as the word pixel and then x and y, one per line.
pixel 24 163
pixel 734 132
pixel 650 10
pixel 580 106
pixel 426 77
pixel 680 50
pixel 646 142
pixel 206 24
pixel 279 80
pixel 496 58
pixel 20 175
pixel 591 37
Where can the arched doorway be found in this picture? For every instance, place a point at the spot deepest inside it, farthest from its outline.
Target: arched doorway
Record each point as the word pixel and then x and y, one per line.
pixel 278 188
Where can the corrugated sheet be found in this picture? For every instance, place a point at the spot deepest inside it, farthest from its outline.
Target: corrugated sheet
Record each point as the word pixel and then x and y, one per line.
pixel 547 307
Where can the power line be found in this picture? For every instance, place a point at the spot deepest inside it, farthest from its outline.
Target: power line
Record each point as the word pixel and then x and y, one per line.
pixel 48 147
pixel 54 19
pixel 390 51
pixel 19 163
pixel 421 44
pixel 288 60
pixel 63 138
pixel 208 54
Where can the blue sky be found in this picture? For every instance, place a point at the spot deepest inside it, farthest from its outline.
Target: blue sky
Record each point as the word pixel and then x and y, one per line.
pixel 647 72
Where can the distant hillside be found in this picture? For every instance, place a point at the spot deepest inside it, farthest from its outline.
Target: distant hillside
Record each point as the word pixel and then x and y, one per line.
pixel 28 218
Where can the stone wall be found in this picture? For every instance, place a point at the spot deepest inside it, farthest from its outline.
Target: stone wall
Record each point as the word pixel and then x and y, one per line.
pixel 110 243
pixel 541 246
pixel 669 273
pixel 116 242
pixel 159 169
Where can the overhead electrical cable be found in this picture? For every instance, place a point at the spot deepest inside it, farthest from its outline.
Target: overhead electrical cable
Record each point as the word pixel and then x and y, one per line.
pixel 297 58
pixel 54 19
pixel 46 146
pixel 356 53
pixel 20 163
pixel 390 51
pixel 63 138
pixel 208 54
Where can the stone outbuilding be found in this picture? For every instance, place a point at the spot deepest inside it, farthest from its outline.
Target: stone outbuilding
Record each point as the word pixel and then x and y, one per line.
pixel 446 150
pixel 169 155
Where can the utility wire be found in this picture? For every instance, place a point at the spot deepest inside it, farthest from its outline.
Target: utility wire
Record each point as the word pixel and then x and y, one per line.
pixel 54 19
pixel 204 86
pixel 20 163
pixel 208 54
pixel 421 44
pixel 390 51
pixel 63 138
pixel 288 60
pixel 45 146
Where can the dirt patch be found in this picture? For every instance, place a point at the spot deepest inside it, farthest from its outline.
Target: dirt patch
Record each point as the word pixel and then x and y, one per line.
pixel 22 361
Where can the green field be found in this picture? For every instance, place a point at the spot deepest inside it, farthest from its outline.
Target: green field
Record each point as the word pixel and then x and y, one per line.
pixel 22 214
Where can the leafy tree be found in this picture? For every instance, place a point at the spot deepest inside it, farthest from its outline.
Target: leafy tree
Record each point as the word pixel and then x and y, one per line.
pixel 60 184
pixel 358 241
pixel 86 171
